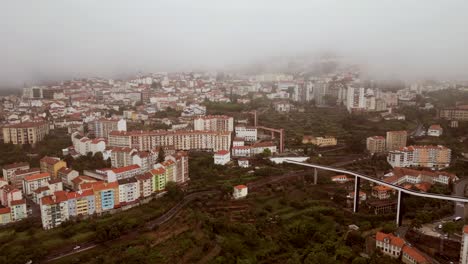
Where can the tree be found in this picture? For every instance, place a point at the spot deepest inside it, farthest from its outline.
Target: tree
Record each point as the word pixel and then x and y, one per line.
pixel 450 228
pixel 161 155
pixel 173 191
pixel 389 228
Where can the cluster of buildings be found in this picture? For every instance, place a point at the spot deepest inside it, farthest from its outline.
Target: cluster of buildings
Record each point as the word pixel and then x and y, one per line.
pixel 394 140
pixel 326 141
pixel 62 193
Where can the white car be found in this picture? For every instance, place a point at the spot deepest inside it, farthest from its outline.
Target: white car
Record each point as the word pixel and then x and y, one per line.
pixel 76 247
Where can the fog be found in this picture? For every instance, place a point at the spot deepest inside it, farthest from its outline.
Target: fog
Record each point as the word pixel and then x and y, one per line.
pixel 47 40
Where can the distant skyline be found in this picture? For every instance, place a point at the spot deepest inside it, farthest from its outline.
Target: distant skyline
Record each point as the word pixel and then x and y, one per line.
pixel 54 40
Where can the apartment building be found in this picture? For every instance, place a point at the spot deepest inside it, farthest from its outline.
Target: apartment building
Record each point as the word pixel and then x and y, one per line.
pixel 145 182
pixel 325 141
pixel 32 182
pixel 436 157
pixel 54 210
pixel 220 123
pixel 458 113
pixel 122 156
pixel 382 192
pixel 84 145
pixel 181 140
pixel 9 193
pixel 102 127
pixel 52 165
pixel 249 134
pixel 18 176
pixel 159 178
pixel 25 133
pixel 464 246
pixel 67 175
pixel 10 169
pixel 396 140
pixel 129 190
pixel 375 144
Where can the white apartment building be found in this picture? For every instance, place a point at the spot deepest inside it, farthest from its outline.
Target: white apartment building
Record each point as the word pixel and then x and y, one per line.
pixel 248 133
pixel 464 246
pixel 355 99
pixel 214 123
pixel 84 145
pixel 436 157
pixel 180 140
pixel 32 182
pixel 129 190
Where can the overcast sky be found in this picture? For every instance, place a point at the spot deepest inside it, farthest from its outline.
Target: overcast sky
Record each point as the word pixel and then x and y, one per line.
pixel 61 39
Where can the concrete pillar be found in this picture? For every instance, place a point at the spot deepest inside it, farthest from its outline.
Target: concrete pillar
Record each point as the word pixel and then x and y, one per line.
pixel 465 211
pixel 315 176
pixel 357 188
pixel 400 209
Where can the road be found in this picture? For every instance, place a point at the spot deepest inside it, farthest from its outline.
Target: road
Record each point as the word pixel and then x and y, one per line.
pixel 171 213
pixel 418 131
pixel 150 225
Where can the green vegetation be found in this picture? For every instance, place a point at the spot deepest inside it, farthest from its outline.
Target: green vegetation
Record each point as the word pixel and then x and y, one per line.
pixel 17 241
pixel 88 162
pixel 52 145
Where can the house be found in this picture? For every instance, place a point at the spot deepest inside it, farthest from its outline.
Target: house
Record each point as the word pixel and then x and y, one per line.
pixel 240 191
pixel 413 256
pixel 340 179
pixel 382 192
pixel 243 163
pixel 10 169
pixel 389 244
pixel 435 131
pixel 222 157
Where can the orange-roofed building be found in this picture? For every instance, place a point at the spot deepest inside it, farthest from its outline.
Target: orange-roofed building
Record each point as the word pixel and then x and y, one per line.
pixel 159 178
pixel 32 182
pixel 52 165
pixel 413 256
pixel 240 191
pixel 382 192
pixel 5 215
pixel 464 246
pixel 435 131
pixel 389 244
pixel 54 209
pixel 222 157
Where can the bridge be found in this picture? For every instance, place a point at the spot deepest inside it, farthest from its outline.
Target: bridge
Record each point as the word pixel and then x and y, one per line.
pixel 401 190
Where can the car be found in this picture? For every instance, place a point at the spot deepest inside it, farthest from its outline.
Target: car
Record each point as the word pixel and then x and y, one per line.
pixel 76 247
pixel 458 218
pixel 440 226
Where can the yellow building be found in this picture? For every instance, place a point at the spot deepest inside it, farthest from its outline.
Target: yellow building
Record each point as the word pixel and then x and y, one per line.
pixel 326 141
pixel 52 165
pixel 159 179
pixel 25 133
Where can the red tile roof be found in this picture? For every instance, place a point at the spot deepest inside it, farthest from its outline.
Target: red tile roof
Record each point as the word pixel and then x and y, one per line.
pixel 222 152
pixel 415 254
pixel 18 202
pixel 15 165
pixel 158 171
pixel 49 160
pixel 396 241
pixel 240 187
pixel 37 176
pixel 126 168
pixel 5 210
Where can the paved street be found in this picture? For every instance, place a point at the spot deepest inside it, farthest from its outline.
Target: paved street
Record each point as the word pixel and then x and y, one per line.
pixel 459 190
